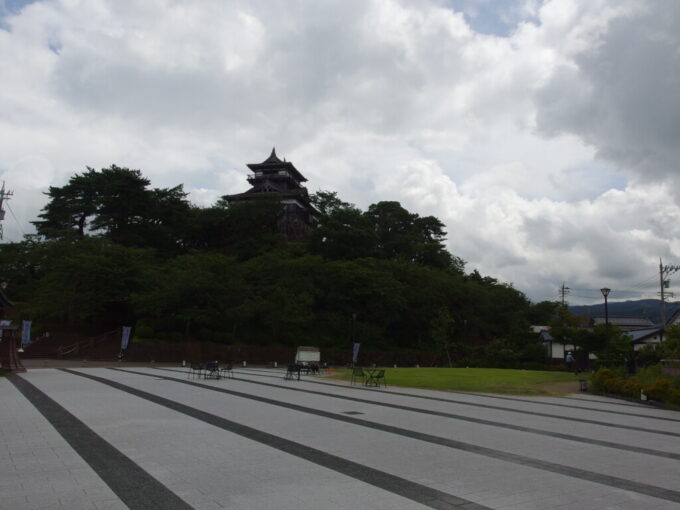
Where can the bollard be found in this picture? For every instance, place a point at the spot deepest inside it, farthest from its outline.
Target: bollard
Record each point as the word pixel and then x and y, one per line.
pixel 276 364
pixel 244 363
pixel 184 363
pixel 583 384
pixel 395 365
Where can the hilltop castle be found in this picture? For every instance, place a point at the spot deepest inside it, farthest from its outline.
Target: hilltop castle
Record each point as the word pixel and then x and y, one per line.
pixel 277 178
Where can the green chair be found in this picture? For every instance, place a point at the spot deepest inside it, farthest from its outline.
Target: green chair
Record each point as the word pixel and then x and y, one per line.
pixel 358 373
pixel 375 378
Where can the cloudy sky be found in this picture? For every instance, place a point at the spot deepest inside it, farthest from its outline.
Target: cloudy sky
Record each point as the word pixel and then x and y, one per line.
pixel 545 134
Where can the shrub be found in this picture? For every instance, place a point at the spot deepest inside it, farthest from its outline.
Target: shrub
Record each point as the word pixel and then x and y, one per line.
pixel 614 384
pixel 660 390
pixel 648 355
pixel 600 377
pixel 144 331
pixel 630 388
pixel 648 375
pixel 674 397
pixel 649 380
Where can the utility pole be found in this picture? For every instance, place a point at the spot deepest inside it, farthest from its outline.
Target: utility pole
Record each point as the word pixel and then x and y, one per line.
pixel 4 195
pixel 564 292
pixel 664 282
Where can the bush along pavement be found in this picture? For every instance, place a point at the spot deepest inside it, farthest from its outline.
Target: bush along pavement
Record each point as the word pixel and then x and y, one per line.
pixel 649 382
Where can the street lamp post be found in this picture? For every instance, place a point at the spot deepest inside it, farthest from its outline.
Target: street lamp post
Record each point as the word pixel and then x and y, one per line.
pixel 605 292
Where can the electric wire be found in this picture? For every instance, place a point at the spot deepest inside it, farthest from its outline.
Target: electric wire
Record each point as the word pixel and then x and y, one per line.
pixel 648 281
pixel 15 218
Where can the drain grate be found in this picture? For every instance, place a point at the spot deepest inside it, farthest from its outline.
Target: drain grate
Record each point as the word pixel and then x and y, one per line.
pixel 351 412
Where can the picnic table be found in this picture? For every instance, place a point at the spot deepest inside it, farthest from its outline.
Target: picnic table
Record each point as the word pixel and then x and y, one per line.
pixel 370 376
pixel 210 370
pixel 295 369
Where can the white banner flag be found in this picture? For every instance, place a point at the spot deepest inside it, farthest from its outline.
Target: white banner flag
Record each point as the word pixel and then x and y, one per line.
pixel 26 332
pixel 355 352
pixel 126 337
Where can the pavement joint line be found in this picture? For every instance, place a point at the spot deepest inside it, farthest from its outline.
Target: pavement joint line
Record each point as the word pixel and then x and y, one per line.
pixel 582 474
pixel 481 421
pixel 636 404
pixel 511 399
pixel 500 408
pixel 128 481
pixel 414 491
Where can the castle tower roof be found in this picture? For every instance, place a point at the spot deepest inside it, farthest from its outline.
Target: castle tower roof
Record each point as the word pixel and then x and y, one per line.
pixel 273 165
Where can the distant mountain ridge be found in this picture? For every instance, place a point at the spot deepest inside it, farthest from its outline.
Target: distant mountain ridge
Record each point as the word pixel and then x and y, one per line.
pixel 647 308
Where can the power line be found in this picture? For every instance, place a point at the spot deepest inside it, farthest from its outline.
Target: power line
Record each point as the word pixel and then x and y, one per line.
pixel 642 283
pixel 15 218
pixel 586 297
pixel 618 292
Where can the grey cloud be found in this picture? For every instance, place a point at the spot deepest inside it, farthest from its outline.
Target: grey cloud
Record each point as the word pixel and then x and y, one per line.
pixel 383 100
pixel 621 94
pixel 334 62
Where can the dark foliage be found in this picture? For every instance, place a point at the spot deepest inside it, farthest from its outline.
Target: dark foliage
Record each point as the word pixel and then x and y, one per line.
pixel 112 251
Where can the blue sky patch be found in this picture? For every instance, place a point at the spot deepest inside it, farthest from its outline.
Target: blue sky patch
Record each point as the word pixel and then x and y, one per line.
pixel 492 17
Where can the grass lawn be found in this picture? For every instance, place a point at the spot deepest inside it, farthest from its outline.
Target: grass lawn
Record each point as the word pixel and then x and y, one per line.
pixel 486 380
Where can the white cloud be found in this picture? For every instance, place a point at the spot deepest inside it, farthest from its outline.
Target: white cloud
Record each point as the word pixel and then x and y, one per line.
pixel 546 143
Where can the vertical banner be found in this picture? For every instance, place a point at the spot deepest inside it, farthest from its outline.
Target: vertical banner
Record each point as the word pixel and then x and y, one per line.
pixel 355 352
pixel 126 337
pixel 26 332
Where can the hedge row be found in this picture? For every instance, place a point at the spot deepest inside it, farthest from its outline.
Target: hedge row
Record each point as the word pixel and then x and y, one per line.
pixel 663 389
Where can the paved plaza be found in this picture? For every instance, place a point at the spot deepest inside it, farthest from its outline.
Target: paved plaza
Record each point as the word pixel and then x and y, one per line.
pixel 153 438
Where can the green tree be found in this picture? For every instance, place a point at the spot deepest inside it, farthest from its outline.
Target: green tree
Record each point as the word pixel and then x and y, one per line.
pixel 565 327
pixel 327 202
pixel 670 347
pixel 345 233
pixel 612 346
pixel 70 208
pixel 543 312
pixel 209 227
pixel 252 227
pixel 87 281
pixel 393 227
pixel 117 204
pixel 442 332
pixel 22 264
pixel 198 295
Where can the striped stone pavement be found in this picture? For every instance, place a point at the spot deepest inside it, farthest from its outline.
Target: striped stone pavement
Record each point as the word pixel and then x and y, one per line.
pixel 153 438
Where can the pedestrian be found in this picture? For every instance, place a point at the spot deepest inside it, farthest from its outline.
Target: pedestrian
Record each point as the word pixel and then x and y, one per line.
pixel 569 360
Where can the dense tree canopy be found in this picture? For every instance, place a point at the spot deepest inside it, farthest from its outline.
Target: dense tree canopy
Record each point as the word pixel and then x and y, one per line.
pixel 117 204
pixel 111 250
pixel 386 231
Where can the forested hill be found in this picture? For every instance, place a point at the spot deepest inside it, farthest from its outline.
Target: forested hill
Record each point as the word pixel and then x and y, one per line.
pixel 647 308
pixel 111 251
